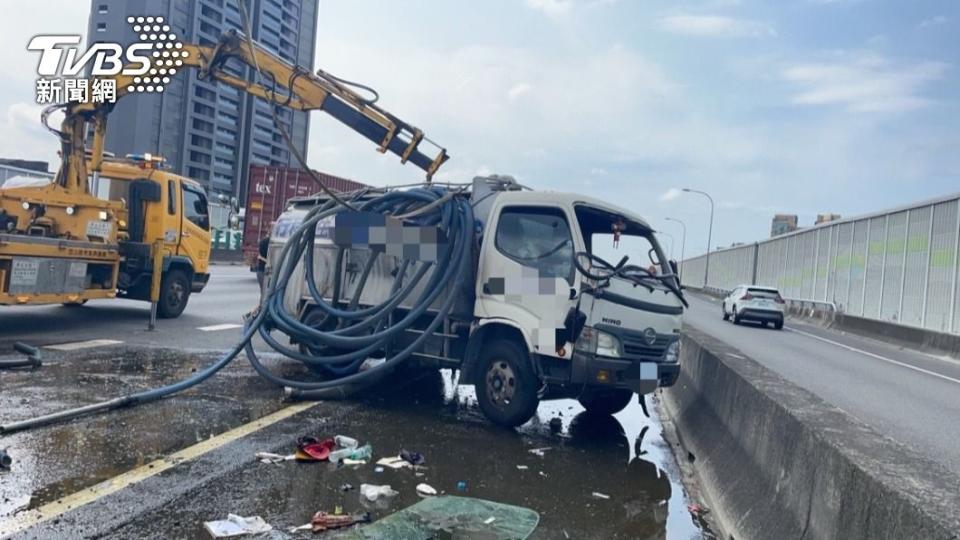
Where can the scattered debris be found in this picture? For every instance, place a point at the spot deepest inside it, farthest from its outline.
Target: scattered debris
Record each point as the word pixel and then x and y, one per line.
pixel 346 442
pixel 489 520
pixel 378 470
pixel 364 452
pixel 269 457
pixel 372 492
pixel 426 490
pixel 310 449
pixel 522 467
pixel 323 521
pixel 540 451
pixel 346 487
pixel 543 474
pixel 393 462
pixel 462 485
pixel 598 495
pixel 348 461
pixel 236 525
pixel 5 460
pixel 413 458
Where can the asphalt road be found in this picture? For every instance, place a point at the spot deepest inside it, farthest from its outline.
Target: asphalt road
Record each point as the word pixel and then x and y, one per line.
pixel 907 395
pixel 232 291
pixel 161 469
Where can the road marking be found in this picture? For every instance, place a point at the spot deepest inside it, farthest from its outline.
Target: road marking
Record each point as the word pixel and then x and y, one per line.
pixel 77 345
pixel 53 510
pixel 876 356
pixel 216 327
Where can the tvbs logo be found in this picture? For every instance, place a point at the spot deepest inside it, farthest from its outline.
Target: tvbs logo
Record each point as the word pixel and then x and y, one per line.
pixel 149 64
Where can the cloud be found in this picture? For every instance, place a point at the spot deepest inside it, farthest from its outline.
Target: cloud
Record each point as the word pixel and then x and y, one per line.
pixel 551 8
pixel 518 91
pixel 933 21
pixel 670 194
pixel 865 84
pixel 715 26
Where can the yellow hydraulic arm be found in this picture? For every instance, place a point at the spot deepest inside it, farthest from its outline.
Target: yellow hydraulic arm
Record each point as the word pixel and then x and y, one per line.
pixel 288 86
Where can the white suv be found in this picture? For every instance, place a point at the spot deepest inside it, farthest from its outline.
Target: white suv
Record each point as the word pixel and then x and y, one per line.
pixel 754 303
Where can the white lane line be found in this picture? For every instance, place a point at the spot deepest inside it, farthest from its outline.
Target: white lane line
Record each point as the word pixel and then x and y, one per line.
pixel 216 327
pixel 876 356
pixel 77 345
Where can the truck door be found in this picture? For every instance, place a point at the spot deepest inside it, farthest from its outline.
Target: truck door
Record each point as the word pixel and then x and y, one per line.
pixel 195 227
pixel 526 271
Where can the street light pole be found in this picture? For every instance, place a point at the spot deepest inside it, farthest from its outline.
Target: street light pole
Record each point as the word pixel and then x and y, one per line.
pixel 672 241
pixel 683 243
pixel 706 271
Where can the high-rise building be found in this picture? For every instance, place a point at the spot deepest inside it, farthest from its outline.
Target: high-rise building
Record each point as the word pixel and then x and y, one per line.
pixel 782 224
pixel 208 131
pixel 825 218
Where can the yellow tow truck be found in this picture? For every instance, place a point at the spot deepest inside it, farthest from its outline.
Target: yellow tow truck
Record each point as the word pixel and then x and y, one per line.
pixel 109 227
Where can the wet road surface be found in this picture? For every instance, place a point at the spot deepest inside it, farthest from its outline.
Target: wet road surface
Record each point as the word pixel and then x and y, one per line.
pixel 623 457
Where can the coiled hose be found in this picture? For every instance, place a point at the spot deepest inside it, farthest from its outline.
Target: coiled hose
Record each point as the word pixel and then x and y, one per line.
pixel 356 332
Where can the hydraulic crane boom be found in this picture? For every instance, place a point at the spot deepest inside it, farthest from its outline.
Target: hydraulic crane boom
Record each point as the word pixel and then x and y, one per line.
pixel 290 86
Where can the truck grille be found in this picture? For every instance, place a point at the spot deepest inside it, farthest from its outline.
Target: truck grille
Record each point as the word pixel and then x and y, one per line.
pixel 634 347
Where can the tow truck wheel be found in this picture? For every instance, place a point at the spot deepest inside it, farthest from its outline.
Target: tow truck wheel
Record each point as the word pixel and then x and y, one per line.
pixel 507 387
pixel 174 293
pixel 606 401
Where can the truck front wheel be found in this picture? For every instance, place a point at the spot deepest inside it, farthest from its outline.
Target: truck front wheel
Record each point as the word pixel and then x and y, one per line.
pixel 506 386
pixel 606 401
pixel 174 293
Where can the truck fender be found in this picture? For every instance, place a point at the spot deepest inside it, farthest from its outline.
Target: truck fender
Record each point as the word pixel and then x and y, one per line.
pixel 486 330
pixel 178 261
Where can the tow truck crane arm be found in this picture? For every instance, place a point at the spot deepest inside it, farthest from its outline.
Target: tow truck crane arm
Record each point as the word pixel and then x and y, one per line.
pixel 290 86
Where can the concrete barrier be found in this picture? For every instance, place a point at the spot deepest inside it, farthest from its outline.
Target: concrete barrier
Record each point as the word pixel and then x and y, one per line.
pixel 775 461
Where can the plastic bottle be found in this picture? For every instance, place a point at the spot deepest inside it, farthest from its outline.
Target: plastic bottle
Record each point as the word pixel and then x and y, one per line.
pixel 364 452
pixel 339 455
pixel 345 442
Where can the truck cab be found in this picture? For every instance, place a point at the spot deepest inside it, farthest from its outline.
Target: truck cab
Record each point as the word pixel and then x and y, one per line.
pixel 553 319
pixel 160 209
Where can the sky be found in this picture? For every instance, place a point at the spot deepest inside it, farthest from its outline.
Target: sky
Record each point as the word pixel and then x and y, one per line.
pixel 788 106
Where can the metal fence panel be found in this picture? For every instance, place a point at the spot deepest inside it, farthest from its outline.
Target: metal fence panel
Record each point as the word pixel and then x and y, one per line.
pixel 856 262
pixel 915 268
pixel 824 236
pixel 877 235
pixel 942 261
pixel 893 266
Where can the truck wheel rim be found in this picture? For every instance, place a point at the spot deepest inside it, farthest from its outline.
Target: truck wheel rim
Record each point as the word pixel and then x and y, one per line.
pixel 175 295
pixel 501 383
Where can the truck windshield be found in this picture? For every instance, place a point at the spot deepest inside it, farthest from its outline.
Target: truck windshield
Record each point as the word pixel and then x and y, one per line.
pixel 635 240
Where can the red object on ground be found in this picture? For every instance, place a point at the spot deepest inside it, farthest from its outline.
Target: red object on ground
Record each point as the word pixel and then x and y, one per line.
pixel 268 190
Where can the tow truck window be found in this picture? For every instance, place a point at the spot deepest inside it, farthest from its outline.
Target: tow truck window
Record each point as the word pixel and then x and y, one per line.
pixel 635 240
pixel 537 237
pixel 195 207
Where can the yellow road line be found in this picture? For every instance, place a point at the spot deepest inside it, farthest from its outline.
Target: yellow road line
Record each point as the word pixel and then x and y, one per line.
pixel 30 518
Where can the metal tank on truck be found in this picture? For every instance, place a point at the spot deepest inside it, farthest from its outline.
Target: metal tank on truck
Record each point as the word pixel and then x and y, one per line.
pixel 537 311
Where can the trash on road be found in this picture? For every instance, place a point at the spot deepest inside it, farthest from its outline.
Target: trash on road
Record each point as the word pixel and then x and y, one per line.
pixel 373 492
pixel 364 452
pixel 456 517
pixel 323 521
pixel 378 470
pixel 236 525
pixel 413 458
pixel 270 457
pixel 393 462
pixel 598 495
pixel 346 442
pixel 522 467
pixel 311 449
pixel 489 520
pixel 540 451
pixel 346 487
pixel 426 490
pixel 348 461
pixel 5 460
pixel 462 485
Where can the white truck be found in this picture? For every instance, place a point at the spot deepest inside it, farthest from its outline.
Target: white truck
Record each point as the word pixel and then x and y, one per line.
pixel 543 315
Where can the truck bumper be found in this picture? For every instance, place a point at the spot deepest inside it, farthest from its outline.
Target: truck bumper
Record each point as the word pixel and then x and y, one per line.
pixel 639 376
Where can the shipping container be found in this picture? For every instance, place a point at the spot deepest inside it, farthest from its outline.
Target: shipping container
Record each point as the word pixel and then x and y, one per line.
pixel 268 190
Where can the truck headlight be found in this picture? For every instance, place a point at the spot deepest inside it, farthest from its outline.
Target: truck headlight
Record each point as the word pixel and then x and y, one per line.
pixel 672 356
pixel 593 341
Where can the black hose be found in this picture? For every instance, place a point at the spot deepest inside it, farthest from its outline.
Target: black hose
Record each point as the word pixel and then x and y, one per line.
pixel 33 360
pixel 357 331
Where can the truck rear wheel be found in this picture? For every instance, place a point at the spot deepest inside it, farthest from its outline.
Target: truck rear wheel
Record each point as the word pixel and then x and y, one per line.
pixel 606 401
pixel 174 293
pixel 506 386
